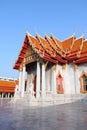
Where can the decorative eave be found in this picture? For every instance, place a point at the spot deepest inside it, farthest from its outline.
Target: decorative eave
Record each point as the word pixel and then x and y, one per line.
pixel 82 60
pixel 21 55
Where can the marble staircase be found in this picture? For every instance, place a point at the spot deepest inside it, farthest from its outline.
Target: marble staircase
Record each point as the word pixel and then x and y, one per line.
pixel 52 99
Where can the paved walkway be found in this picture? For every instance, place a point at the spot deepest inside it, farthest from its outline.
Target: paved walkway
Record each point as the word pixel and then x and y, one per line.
pixel 61 117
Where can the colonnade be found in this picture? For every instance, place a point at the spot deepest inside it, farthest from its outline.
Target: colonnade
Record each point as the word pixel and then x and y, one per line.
pixel 40 85
pixel 6 95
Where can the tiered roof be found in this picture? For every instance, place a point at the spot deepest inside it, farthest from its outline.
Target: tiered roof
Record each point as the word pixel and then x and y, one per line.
pixel 7 85
pixel 53 50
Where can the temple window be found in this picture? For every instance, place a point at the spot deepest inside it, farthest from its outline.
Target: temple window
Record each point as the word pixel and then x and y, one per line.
pixel 59 84
pixel 83 81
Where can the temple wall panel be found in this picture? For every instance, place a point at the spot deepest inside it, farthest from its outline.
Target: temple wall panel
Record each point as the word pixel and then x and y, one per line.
pixel 49 78
pixel 69 79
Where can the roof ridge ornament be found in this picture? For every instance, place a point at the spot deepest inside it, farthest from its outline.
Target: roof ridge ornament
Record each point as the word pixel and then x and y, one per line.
pixel 83 36
pixel 37 34
pixel 27 33
pixel 74 35
pixel 45 35
pixel 51 35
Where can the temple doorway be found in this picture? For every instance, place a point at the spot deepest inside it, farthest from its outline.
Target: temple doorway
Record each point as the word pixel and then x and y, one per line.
pixel 59 84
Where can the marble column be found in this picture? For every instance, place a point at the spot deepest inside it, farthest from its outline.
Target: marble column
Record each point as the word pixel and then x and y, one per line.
pixel 38 81
pixel 2 95
pixel 20 79
pixel 8 95
pixel 23 80
pixel 77 80
pixel 54 79
pixel 43 81
pixel 28 81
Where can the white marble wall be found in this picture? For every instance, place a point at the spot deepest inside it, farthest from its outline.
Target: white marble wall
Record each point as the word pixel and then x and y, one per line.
pixel 68 75
pixel 81 68
pixel 49 79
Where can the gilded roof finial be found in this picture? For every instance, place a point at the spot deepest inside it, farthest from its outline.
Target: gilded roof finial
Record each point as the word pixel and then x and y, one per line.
pixel 37 34
pixel 83 36
pixel 74 35
pixel 45 35
pixel 51 35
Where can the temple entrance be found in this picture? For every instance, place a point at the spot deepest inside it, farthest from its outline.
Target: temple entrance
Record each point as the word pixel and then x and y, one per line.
pixel 83 80
pixel 59 84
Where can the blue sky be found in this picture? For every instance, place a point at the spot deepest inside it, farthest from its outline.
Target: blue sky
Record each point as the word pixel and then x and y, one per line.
pixel 62 18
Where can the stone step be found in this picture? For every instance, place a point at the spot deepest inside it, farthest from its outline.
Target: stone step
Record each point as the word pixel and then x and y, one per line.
pixel 52 100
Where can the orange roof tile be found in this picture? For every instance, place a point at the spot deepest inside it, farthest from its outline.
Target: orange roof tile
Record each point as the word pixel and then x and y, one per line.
pixel 66 44
pixel 53 45
pixel 83 52
pixel 56 42
pixel 76 45
pixel 8 86
pixel 84 48
pixel 46 46
pixel 35 44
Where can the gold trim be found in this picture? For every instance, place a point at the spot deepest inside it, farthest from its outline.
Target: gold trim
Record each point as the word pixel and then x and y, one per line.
pixel 21 68
pixel 64 66
pixel 75 67
pixel 54 68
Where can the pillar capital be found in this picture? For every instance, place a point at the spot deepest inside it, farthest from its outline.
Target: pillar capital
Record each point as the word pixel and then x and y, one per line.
pixel 54 68
pixel 75 67
pixel 44 64
pixel 64 66
pixel 20 69
pixel 23 64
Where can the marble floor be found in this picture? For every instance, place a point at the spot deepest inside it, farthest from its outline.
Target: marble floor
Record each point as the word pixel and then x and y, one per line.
pixel 59 117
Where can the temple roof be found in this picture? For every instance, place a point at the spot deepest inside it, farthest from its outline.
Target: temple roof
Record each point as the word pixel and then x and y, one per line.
pixel 66 44
pixel 53 50
pixel 8 85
